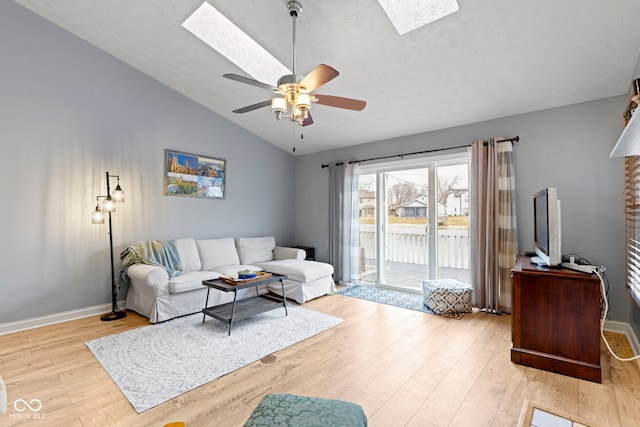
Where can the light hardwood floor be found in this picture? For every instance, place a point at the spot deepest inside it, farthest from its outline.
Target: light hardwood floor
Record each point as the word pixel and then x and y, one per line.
pixel 405 368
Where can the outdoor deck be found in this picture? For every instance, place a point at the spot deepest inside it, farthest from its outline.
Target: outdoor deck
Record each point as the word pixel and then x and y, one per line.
pixel 410 276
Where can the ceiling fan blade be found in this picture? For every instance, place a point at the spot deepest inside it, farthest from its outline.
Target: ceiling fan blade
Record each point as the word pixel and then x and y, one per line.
pixel 319 76
pixel 308 121
pixel 249 81
pixel 340 102
pixel 253 107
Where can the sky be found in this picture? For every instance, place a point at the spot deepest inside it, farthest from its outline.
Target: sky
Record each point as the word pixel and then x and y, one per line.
pixel 419 176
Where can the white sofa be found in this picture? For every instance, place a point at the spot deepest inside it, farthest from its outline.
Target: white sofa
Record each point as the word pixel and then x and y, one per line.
pixel 154 295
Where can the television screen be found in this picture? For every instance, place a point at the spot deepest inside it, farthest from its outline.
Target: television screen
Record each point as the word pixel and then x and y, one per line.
pixel 541 222
pixel 546 221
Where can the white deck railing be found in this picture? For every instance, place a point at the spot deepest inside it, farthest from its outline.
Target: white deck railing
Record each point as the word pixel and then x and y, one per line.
pixel 408 243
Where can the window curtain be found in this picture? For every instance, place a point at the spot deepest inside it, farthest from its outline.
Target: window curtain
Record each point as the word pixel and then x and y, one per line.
pixel 493 224
pixel 343 222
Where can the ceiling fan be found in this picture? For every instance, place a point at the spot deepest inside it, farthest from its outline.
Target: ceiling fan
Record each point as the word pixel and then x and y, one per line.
pixel 295 98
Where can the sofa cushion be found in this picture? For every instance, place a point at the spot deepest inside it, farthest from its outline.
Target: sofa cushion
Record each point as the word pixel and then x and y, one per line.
pixel 255 249
pixel 280 252
pixel 188 254
pixel 217 253
pixel 190 281
pixel 299 270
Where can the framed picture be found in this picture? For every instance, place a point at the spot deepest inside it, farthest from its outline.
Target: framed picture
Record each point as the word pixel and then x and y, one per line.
pixel 192 175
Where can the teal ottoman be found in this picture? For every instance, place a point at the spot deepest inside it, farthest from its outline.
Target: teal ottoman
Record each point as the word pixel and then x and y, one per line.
pixel 288 410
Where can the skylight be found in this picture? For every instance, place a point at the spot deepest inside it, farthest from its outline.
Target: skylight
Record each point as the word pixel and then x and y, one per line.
pixel 407 15
pixel 217 31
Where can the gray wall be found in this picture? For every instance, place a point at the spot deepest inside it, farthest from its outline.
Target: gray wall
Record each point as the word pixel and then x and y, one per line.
pixel 567 148
pixel 70 112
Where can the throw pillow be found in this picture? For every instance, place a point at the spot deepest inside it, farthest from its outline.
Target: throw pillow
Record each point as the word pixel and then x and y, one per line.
pixel 253 250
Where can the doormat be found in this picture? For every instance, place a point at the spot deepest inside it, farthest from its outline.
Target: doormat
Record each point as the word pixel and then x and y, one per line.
pixel 392 297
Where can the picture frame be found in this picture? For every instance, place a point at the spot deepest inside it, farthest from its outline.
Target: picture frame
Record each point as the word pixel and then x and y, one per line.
pixel 194 175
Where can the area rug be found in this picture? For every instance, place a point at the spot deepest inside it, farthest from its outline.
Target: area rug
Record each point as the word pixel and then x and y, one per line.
pixel 156 363
pixel 392 297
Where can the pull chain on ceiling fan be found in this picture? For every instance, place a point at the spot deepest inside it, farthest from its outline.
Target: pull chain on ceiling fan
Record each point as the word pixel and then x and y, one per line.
pixel 295 98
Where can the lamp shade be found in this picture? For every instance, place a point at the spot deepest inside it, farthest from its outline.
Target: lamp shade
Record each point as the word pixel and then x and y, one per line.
pixel 303 101
pixel 629 142
pixel 109 205
pixel 97 217
pixel 279 105
pixel 118 194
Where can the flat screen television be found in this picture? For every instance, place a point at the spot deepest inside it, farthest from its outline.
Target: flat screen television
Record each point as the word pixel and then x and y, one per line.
pixel 546 222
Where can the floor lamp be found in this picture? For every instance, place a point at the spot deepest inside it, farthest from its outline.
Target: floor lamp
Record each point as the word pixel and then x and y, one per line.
pixel 109 205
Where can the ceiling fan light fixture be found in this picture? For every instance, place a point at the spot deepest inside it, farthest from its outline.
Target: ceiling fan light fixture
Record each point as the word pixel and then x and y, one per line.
pixel 279 106
pixel 301 107
pixel 303 101
pixel 298 94
pixel 299 115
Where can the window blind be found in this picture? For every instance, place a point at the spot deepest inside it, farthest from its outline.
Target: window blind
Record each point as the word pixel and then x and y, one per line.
pixel 632 224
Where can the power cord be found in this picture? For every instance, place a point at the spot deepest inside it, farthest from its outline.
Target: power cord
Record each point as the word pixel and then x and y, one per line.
pixel 580 260
pixel 606 309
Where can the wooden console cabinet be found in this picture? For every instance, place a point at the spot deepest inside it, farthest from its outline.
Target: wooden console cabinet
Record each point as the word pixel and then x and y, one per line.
pixel 556 320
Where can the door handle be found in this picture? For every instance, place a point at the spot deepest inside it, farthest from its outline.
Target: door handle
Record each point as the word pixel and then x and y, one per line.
pixel 428 230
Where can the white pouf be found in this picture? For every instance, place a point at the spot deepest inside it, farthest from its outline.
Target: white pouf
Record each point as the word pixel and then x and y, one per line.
pixel 447 296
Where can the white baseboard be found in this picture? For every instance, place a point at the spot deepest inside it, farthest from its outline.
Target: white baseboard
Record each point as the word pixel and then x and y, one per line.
pixel 52 319
pixel 626 330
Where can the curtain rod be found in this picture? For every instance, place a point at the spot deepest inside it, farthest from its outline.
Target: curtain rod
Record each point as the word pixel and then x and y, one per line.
pixel 514 139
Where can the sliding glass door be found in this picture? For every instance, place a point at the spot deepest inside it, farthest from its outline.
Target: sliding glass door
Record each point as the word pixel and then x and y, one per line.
pixel 414 221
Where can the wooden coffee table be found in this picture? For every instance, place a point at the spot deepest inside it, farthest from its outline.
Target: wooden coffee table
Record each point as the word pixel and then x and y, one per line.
pixel 247 307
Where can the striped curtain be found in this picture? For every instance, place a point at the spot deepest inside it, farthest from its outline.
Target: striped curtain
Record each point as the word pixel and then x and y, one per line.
pixel 494 243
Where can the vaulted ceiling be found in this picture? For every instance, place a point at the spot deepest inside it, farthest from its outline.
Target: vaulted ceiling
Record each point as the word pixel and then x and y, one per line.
pixel 490 59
